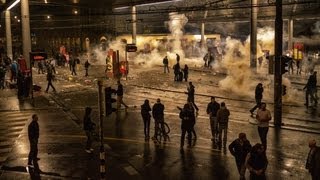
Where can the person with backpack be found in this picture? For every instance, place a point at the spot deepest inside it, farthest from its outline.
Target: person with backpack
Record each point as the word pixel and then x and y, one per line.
pixel 223 120
pixel 186 125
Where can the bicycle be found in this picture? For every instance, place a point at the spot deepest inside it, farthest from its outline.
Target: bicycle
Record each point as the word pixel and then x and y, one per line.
pixel 159 133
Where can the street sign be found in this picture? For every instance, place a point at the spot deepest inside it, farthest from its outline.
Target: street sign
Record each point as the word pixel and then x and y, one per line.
pixel 131 48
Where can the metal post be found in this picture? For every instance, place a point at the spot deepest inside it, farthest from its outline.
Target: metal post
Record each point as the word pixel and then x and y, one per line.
pixel 277 73
pixel 134 25
pixel 26 38
pixel 202 35
pixel 101 116
pixel 290 34
pixel 253 35
pixel 118 64
pixel 8 34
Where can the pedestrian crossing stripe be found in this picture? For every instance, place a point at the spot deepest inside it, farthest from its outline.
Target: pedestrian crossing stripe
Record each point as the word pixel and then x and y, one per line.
pixel 5 150
pixel 13 124
pixel 14 119
pixel 6 143
pixel 5 131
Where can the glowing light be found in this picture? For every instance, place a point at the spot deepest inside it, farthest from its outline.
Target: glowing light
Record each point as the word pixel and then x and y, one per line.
pixel 45 1
pixel 75 11
pixel 18 20
pixel 48 17
pixel 15 17
pixel 13 4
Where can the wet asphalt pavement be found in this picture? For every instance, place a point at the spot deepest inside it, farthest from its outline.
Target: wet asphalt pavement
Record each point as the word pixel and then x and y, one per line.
pixel 61 144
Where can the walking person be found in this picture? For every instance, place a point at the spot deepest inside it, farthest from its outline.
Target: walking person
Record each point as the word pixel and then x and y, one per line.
pixel 53 66
pixel 192 119
pixel 239 148
pixel 120 96
pixel 86 67
pixel 158 116
pixel 50 78
pixel 257 162
pixel 145 113
pixel 223 120
pixel 313 160
pixel 191 93
pixel 258 97
pixel 73 66
pixel 311 89
pixel 88 127
pixel 212 110
pixel 263 117
pixel 2 76
pixel 186 125
pixel 186 73
pixel 33 135
pixel 165 64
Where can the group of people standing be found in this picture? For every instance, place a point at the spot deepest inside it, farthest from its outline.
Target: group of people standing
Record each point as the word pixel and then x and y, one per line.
pixel 179 73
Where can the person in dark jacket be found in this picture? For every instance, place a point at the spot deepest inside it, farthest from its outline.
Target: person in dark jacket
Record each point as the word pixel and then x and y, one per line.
pixel 186 125
pixel 258 97
pixel 88 127
pixel 50 78
pixel 311 89
pixel 212 110
pixel 33 135
pixel 86 67
pixel 145 113
pixel 176 71
pixel 178 58
pixel 73 62
pixel 120 96
pixel 190 93
pixel 257 162
pixel 186 73
pixel 165 64
pixel 223 120
pixel 192 117
pixel 158 116
pixel 239 148
pixel 313 160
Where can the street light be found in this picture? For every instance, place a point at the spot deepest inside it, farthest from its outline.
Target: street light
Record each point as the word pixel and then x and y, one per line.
pixel 48 17
pixel 13 4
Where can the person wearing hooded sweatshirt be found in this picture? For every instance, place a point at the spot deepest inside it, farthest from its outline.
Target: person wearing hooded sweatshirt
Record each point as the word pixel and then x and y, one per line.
pixel 145 113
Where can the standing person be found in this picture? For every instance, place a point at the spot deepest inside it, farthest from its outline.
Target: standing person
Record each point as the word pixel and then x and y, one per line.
pixel 40 67
pixel 88 127
pixel 186 125
pixel 223 120
pixel 165 64
pixel 73 66
pixel 192 118
pixel 158 116
pixel 178 58
pixel 53 65
pixel 14 71
pixel 50 78
pixel 263 117
pixel 145 113
pixel 176 71
pixel 86 67
pixel 313 160
pixel 120 96
pixel 33 135
pixel 258 97
pixel 257 162
pixel 185 72
pixel 290 65
pixel 190 93
pixel 2 76
pixel 212 110
pixel 298 63
pixel 311 89
pixel 240 148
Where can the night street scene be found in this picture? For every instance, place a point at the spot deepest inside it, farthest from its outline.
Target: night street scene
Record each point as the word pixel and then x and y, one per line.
pixel 159 89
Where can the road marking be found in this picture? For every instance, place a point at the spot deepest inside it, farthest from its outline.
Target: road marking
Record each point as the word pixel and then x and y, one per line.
pixel 6 143
pixel 130 170
pixel 5 150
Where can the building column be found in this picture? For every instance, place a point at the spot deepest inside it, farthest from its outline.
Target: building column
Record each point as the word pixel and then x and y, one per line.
pixel 253 35
pixel 8 34
pixel 290 34
pixel 134 25
pixel 202 35
pixel 26 38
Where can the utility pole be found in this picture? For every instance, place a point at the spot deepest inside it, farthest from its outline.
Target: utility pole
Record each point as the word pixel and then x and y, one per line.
pixel 101 117
pixel 26 37
pixel 253 34
pixel 277 65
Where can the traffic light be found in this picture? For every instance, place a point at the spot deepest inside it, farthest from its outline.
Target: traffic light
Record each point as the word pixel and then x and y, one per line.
pixel 109 100
pixel 284 90
pixel 285 64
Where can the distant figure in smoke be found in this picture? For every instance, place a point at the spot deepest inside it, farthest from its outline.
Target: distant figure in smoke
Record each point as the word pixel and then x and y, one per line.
pixel 74 66
pixel 145 113
pixel 258 97
pixel 290 65
pixel 88 127
pixel 86 67
pixel 311 89
pixel 205 59
pixel 165 64
pixel 120 96
pixel 180 75
pixel 176 71
pixel 211 60
pixel 40 67
pixel 186 73
pixel 190 93
pixel 178 58
pixel 298 63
